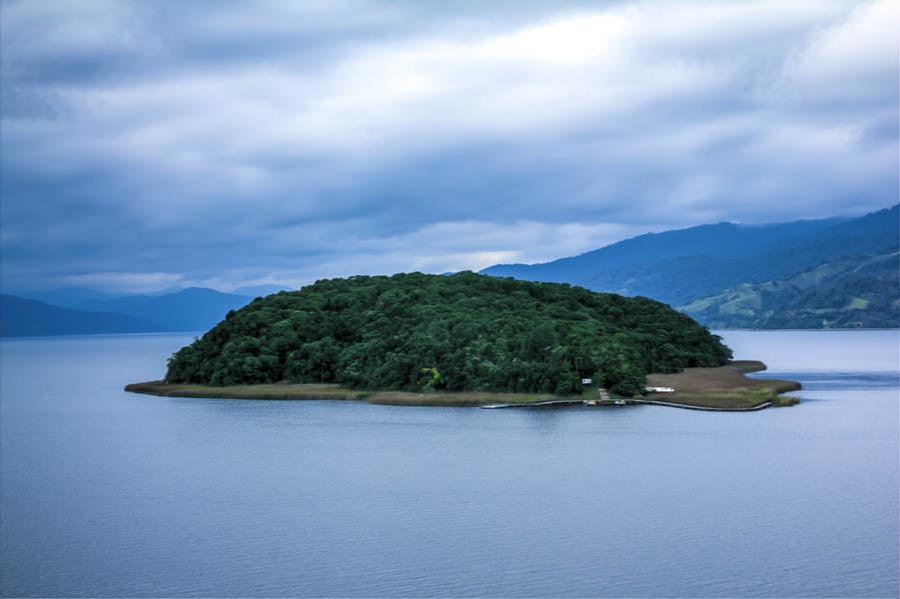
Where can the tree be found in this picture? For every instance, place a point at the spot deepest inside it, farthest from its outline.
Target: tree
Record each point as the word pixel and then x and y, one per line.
pixel 463 332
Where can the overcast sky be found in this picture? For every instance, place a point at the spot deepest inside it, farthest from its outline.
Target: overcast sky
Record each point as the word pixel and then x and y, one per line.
pixel 153 144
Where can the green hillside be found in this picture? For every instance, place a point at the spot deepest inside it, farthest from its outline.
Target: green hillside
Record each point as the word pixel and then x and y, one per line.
pixel 464 332
pixel 681 266
pixel 851 292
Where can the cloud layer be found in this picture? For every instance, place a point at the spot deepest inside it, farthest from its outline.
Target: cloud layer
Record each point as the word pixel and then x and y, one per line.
pixel 146 144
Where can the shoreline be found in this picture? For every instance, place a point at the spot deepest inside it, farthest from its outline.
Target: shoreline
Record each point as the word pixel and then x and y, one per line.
pixel 824 330
pixel 724 388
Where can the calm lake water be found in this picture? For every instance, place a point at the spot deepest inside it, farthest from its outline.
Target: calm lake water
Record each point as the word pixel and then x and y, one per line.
pixel 108 493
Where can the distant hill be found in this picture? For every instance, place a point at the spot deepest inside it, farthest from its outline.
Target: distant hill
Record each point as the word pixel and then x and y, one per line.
pixel 260 290
pixel 682 266
pixel 193 309
pixel 67 297
pixel 721 240
pixel 23 317
pixel 856 291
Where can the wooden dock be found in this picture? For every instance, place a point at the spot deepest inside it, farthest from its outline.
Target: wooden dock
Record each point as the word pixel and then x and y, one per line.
pixel 602 399
pixel 537 404
pixel 671 404
pixel 606 401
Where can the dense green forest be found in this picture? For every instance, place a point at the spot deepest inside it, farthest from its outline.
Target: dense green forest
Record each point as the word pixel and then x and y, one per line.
pixel 462 332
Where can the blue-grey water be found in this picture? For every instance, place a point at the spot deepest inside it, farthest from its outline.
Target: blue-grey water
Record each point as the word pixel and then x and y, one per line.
pixel 106 493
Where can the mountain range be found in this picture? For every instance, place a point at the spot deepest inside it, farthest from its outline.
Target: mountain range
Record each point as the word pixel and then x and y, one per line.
pixel 850 292
pixel 25 318
pixel 81 310
pixel 710 272
pixel 192 309
pixel 827 273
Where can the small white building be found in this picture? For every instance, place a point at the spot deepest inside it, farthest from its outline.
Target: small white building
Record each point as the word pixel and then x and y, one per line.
pixel 587 381
pixel 659 389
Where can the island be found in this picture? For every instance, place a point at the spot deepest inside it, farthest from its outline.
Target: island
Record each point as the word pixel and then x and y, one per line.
pixel 463 340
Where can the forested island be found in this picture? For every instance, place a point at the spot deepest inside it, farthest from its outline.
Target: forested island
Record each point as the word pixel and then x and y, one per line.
pixel 461 339
pixel 461 332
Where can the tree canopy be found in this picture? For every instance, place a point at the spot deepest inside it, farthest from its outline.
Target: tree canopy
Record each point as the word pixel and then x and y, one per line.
pixel 461 332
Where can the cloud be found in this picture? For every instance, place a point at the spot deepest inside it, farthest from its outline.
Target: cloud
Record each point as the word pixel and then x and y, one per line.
pixel 240 142
pixel 850 60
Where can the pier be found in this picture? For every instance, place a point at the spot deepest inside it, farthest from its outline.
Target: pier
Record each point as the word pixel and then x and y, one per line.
pixel 606 401
pixel 537 404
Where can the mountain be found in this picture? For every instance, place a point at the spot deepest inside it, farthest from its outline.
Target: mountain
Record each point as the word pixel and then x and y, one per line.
pixel 856 291
pixel 722 240
pixel 166 291
pixel 260 290
pixel 24 317
pixel 633 266
pixel 67 297
pixel 682 266
pixel 193 309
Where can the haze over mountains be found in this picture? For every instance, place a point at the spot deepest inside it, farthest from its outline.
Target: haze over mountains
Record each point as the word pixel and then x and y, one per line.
pixel 24 317
pixel 704 270
pixel 192 309
pixel 838 272
pixel 81 310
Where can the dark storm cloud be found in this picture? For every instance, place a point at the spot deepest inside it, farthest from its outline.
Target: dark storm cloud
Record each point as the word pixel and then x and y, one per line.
pixel 146 144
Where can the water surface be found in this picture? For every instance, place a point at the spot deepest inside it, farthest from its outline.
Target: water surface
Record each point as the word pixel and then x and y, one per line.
pixel 108 493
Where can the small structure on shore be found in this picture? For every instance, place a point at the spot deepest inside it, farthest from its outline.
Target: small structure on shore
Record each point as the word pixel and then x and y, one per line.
pixel 659 389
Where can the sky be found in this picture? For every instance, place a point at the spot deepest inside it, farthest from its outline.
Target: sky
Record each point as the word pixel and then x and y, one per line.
pixel 145 145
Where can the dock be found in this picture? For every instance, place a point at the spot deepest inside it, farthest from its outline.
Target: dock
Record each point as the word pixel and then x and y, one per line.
pixel 671 404
pixel 537 404
pixel 604 400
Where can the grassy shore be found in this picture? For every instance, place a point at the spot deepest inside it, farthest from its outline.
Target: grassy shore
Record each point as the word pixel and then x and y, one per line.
pixel 276 391
pixel 725 387
pixel 285 391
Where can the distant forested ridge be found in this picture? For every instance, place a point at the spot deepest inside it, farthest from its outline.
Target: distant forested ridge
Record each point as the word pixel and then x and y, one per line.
pixel 463 332
pixel 701 268
pixel 850 292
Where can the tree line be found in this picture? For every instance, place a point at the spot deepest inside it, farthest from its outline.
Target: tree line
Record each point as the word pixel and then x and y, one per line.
pixel 461 332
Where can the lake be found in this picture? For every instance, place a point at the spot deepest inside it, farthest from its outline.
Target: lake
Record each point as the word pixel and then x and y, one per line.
pixel 109 493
